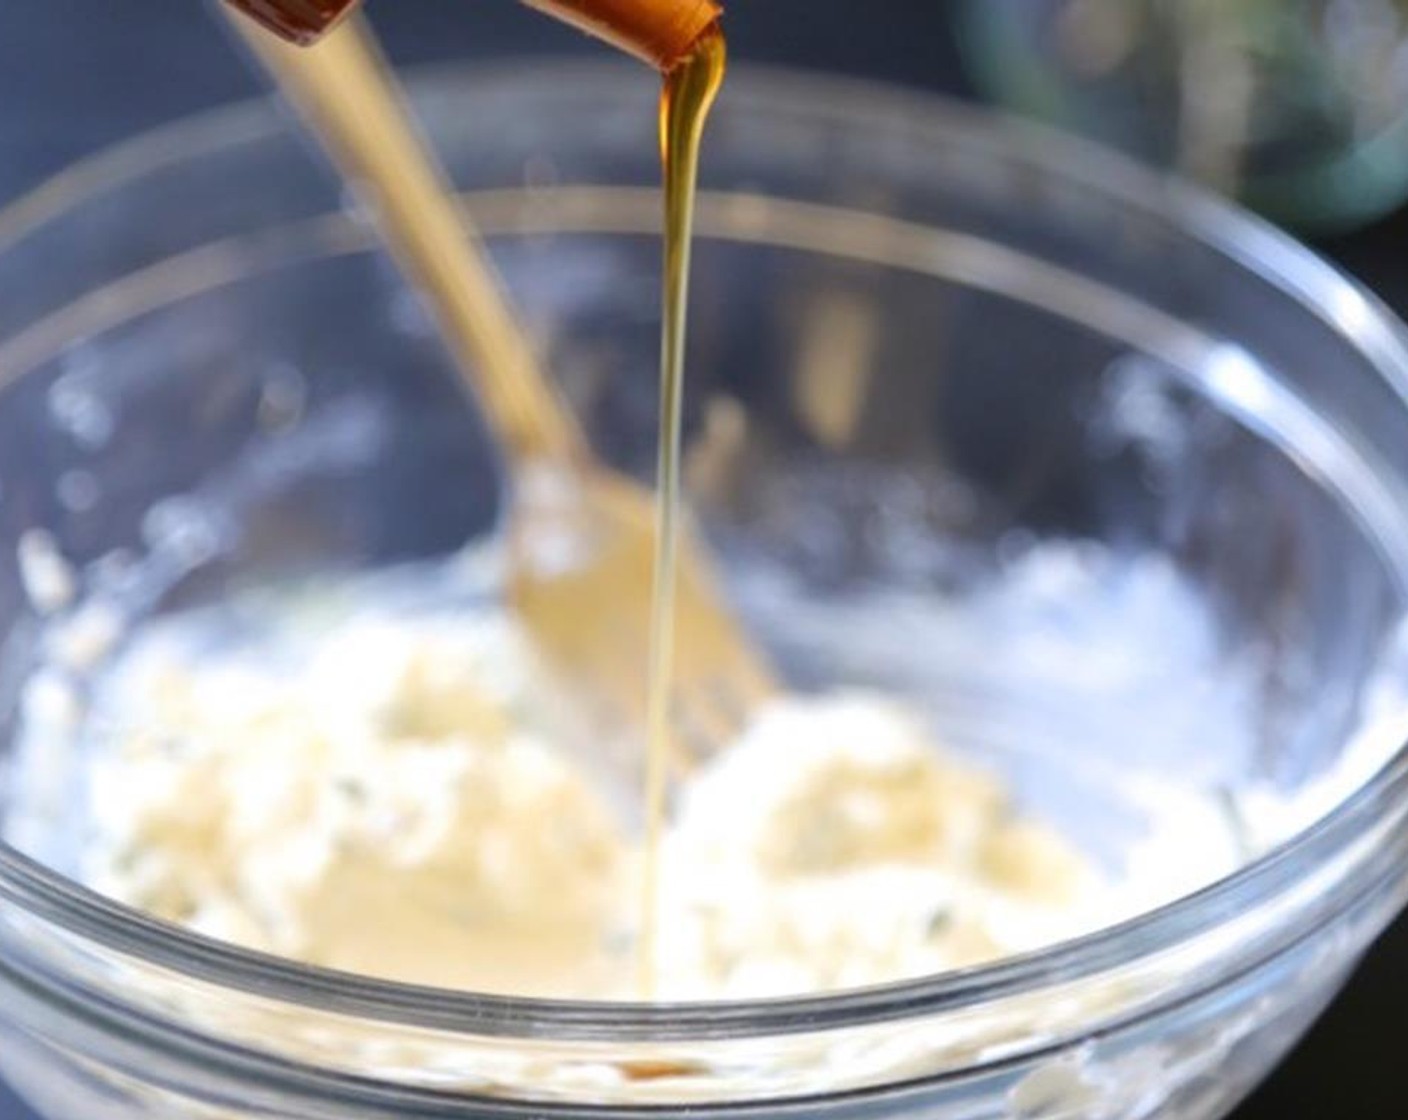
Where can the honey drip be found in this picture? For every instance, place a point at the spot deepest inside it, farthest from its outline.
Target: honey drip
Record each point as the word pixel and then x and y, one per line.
pixel 688 95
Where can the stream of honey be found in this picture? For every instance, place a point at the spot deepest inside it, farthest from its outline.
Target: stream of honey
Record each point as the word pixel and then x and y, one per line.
pixel 688 95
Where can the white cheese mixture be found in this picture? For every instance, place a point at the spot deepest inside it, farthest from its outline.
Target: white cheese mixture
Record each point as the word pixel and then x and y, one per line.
pixel 402 797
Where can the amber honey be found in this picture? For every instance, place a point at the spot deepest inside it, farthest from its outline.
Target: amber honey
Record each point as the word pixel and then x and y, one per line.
pixel 688 94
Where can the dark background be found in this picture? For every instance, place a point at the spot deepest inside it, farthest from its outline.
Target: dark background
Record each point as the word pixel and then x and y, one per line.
pixel 77 74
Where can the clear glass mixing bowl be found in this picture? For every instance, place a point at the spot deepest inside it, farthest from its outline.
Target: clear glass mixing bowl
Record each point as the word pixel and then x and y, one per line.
pixel 1125 468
